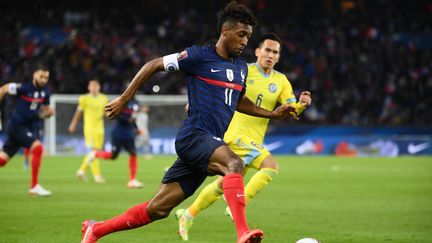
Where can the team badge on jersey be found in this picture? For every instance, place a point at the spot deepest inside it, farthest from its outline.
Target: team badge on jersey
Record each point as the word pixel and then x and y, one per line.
pixel 272 87
pixel 182 55
pixel 230 74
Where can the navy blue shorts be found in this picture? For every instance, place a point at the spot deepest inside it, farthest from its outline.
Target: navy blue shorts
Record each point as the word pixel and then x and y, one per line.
pixel 190 168
pixel 18 136
pixel 118 144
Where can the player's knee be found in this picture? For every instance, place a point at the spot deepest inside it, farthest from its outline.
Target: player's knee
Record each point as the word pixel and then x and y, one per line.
pixel 235 165
pixel 269 162
pixel 156 212
pixel 114 156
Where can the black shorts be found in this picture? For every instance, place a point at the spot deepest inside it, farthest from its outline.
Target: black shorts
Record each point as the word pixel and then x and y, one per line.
pixel 18 136
pixel 118 144
pixel 190 168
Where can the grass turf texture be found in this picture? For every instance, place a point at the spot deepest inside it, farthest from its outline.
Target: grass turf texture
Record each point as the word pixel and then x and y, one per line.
pixel 328 198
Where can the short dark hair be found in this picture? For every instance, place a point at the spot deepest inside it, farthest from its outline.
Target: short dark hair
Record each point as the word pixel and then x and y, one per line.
pixel 40 67
pixel 235 12
pixel 269 36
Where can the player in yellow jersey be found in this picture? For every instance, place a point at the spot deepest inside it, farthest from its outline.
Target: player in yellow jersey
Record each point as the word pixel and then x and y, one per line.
pixel 92 105
pixel 245 134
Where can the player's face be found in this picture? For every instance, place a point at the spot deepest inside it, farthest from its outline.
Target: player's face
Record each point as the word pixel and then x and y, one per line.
pixel 268 54
pixel 94 87
pixel 40 78
pixel 237 38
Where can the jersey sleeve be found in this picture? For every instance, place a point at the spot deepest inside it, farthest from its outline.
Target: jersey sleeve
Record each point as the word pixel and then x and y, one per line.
pixel 82 103
pixel 106 100
pixel 47 97
pixel 181 61
pixel 243 91
pixel 287 95
pixel 13 88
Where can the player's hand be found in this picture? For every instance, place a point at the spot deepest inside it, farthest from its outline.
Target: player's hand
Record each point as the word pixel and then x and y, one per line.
pixel 114 108
pixel 46 112
pixel 305 99
pixel 140 132
pixel 285 111
pixel 71 128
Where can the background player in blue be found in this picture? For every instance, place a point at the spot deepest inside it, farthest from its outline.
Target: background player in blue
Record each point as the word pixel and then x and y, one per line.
pixel 123 136
pixel 215 89
pixel 32 104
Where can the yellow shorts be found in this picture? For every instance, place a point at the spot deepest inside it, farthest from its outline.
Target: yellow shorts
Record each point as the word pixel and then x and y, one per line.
pixel 94 140
pixel 251 152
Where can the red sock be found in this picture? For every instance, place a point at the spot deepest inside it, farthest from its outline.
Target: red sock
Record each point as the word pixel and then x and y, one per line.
pixel 26 153
pixel 132 166
pixel 103 154
pixel 35 163
pixel 2 162
pixel 133 218
pixel 233 187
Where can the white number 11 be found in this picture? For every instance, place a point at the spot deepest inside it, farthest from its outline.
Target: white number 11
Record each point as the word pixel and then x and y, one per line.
pixel 228 95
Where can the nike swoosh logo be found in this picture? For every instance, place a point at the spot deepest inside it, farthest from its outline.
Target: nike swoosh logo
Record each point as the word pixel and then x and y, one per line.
pixel 214 70
pixel 413 149
pixel 272 146
pixel 240 195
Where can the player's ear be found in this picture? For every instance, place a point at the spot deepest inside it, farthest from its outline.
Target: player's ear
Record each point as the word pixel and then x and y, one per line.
pixel 225 30
pixel 257 52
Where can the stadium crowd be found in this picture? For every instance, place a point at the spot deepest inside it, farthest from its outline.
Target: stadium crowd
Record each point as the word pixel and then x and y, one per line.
pixel 366 62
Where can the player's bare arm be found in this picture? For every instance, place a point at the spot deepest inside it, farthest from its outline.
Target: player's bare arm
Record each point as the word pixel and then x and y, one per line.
pixel 9 88
pixel 114 108
pixel 74 122
pixel 245 105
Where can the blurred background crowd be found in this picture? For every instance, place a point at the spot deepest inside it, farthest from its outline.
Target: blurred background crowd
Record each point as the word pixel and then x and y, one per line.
pixel 366 62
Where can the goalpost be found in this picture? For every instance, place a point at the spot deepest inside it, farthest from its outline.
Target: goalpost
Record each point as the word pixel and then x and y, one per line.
pixel 166 114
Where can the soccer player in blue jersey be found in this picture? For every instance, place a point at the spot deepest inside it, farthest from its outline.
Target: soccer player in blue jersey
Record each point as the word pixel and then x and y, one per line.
pixel 216 86
pixel 123 136
pixel 32 104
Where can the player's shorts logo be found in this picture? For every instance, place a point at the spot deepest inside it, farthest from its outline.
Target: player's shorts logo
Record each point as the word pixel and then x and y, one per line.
pixel 218 139
pixel 230 75
pixel 272 87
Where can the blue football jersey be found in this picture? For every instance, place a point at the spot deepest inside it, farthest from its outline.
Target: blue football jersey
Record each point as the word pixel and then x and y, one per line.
pixel 125 127
pixel 29 101
pixel 214 86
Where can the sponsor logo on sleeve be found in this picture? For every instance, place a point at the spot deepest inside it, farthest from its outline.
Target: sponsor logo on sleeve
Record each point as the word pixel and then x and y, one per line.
pixel 182 55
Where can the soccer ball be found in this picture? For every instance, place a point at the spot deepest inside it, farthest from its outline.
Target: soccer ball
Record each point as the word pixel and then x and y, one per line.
pixel 308 240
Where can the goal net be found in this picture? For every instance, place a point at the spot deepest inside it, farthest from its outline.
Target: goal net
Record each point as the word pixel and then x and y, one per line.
pixel 166 114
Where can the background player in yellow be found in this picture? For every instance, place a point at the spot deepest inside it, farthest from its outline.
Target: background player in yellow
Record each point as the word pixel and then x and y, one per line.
pixel 245 134
pixel 92 105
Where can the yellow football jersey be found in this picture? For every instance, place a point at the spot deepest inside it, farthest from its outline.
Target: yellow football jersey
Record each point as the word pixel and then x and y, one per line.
pixel 93 108
pixel 265 91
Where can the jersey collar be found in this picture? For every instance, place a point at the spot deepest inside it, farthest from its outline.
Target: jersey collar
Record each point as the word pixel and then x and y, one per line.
pixel 261 71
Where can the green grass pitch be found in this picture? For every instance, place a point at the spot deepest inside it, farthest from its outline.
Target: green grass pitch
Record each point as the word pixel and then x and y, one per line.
pixel 328 198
